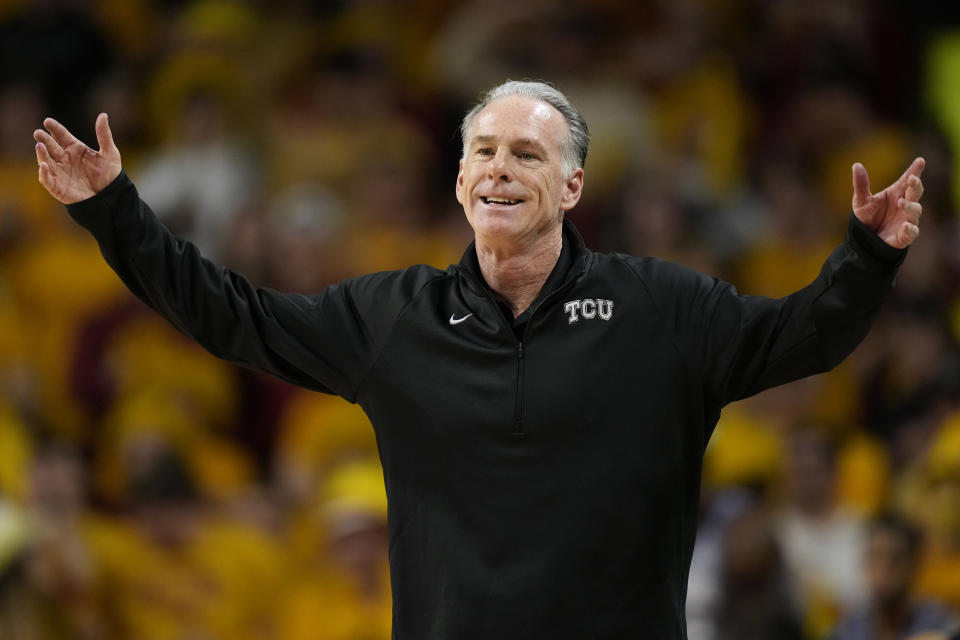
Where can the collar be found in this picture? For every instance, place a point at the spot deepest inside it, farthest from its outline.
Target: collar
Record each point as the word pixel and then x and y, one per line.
pixel 574 252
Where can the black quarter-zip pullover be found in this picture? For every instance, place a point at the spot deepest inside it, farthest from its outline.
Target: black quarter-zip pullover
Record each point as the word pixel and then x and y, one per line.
pixel 540 486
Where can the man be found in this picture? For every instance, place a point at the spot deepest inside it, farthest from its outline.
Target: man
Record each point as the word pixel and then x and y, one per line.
pixel 541 410
pixel 892 613
pixel 821 541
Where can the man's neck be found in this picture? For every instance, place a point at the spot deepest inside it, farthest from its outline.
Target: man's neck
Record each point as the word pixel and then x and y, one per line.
pixel 518 271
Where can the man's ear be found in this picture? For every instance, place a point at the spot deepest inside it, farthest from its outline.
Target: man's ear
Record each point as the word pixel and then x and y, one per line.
pixel 460 183
pixel 572 190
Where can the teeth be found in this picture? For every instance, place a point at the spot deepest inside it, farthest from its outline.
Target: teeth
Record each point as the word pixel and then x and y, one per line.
pixel 501 200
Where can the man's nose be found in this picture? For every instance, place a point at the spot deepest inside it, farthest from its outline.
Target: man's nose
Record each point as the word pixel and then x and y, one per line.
pixel 499 166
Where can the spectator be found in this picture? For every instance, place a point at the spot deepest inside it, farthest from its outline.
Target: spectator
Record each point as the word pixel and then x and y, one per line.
pixel 821 542
pixel 756 601
pixel 891 612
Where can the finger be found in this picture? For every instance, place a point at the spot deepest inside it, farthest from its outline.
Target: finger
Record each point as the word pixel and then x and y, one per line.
pixel 43 156
pixel 54 149
pixel 908 233
pixel 59 132
pixel 914 188
pixel 915 169
pixel 104 135
pixel 861 185
pixel 913 209
pixel 46 178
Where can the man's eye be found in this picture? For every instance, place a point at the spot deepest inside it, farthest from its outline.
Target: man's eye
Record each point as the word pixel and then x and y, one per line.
pixel 526 155
pixel 485 151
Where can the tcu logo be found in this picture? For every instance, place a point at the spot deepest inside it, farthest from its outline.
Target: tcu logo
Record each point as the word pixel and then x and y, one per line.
pixel 588 309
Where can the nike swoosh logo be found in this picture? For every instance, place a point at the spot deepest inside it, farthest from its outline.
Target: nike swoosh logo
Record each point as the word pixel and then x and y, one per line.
pixel 454 320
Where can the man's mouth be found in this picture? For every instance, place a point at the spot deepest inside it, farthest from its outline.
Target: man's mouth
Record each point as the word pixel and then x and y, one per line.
pixel 500 201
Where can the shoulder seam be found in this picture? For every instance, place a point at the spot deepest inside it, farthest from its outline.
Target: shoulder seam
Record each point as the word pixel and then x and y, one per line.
pixel 389 336
pixel 673 338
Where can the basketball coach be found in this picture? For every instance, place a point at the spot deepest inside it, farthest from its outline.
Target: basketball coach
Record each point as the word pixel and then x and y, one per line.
pixel 541 410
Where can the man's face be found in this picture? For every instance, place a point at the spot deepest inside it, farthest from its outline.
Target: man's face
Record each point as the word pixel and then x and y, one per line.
pixel 890 567
pixel 511 181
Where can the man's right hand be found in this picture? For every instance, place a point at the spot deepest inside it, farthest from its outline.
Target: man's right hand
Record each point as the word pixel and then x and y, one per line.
pixel 70 170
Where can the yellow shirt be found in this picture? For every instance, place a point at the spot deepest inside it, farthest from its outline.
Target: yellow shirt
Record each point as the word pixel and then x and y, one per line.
pixel 221 583
pixel 331 606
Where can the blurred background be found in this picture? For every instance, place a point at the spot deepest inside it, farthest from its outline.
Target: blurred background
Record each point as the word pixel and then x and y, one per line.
pixel 150 491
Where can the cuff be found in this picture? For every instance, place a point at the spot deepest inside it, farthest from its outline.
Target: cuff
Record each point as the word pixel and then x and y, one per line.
pixel 84 209
pixel 869 245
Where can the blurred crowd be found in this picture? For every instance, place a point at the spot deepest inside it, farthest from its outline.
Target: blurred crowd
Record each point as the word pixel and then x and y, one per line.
pixel 150 491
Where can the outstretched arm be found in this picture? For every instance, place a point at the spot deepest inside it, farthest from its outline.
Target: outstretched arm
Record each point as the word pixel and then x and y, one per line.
pixel 817 327
pixel 323 342
pixel 743 344
pixel 70 170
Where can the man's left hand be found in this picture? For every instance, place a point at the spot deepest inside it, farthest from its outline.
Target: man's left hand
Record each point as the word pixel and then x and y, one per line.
pixel 894 213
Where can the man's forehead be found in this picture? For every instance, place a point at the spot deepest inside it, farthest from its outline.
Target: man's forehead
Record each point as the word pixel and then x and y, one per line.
pixel 518 117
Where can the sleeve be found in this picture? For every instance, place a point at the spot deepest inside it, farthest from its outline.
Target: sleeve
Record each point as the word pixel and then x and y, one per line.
pixel 324 342
pixel 740 345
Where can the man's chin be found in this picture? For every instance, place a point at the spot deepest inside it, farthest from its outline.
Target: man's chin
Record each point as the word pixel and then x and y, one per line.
pixel 500 227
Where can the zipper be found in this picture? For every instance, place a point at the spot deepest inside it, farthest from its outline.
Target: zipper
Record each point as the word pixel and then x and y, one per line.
pixel 518 404
pixel 518 400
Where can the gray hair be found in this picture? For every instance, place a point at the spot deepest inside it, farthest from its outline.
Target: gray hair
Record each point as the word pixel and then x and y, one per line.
pixel 578 136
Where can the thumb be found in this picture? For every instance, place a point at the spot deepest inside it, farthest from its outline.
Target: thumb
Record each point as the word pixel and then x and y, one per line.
pixel 104 136
pixel 861 185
